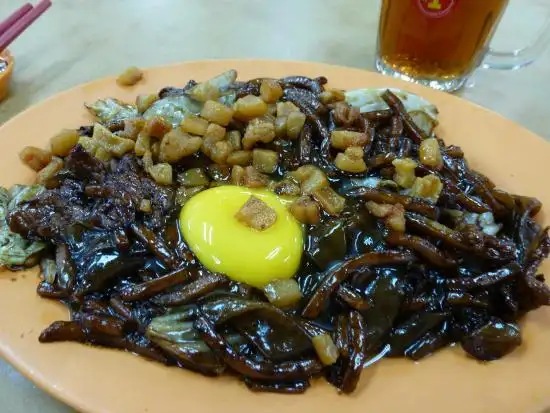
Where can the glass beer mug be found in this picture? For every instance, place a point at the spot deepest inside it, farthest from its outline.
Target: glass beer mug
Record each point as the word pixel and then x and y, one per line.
pixel 439 43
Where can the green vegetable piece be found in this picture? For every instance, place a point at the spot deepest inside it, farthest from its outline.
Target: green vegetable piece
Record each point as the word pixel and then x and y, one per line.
pixel 493 340
pixel 326 243
pixel 112 110
pixel 15 251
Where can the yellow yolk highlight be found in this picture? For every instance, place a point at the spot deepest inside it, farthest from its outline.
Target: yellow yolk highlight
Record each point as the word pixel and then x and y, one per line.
pixel 225 245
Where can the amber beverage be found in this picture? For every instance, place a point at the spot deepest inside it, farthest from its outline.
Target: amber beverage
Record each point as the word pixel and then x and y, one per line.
pixel 436 42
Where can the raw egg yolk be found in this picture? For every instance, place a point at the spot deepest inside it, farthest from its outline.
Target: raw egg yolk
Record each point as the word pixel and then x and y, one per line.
pixel 225 245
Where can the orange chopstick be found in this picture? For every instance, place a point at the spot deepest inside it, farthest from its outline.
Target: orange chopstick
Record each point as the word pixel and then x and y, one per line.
pixel 14 26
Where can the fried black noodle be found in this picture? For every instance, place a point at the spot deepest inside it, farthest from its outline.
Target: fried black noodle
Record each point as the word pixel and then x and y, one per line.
pixel 131 283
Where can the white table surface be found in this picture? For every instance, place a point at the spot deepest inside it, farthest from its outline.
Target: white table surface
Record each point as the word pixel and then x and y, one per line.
pixel 80 40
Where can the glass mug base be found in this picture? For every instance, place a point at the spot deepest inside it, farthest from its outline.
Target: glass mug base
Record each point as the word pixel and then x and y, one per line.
pixel 446 85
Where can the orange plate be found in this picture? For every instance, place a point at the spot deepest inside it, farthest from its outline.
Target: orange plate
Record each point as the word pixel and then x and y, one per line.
pixel 98 380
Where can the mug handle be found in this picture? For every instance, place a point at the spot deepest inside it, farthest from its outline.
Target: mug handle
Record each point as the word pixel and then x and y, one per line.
pixel 518 58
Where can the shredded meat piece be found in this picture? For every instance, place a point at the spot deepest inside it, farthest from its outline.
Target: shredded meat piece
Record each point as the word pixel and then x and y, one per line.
pixel 95 194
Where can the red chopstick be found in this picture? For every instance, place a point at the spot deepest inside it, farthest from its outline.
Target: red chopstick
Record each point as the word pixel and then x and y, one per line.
pixel 16 15
pixel 19 25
